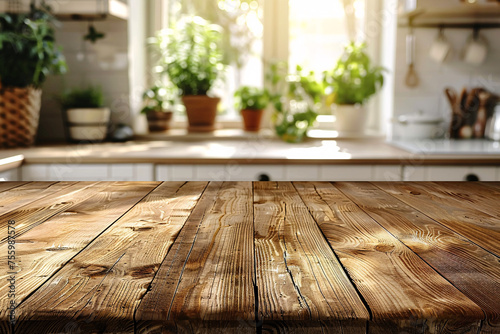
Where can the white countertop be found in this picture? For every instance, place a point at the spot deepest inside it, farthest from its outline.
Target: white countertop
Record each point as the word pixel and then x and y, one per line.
pixel 261 151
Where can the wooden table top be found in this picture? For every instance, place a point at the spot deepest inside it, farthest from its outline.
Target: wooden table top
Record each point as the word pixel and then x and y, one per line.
pixel 199 257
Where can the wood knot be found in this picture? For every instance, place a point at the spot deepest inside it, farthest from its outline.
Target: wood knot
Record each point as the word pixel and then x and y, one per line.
pixel 144 271
pixel 416 193
pixel 140 228
pixel 95 270
pixel 384 248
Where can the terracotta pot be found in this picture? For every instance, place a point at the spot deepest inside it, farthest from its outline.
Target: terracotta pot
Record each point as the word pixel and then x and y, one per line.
pixel 201 111
pixel 350 119
pixel 159 120
pixel 19 115
pixel 252 119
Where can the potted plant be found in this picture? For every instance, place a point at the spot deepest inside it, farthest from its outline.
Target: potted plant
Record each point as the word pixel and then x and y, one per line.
pixel 157 101
pixel 296 99
pixel 28 54
pixel 351 83
pixel 86 117
pixel 191 56
pixel 251 101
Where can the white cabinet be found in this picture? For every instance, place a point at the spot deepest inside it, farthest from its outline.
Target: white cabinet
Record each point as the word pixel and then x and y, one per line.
pixel 360 173
pixel 237 172
pixel 10 175
pixel 87 172
pixel 227 172
pixel 450 173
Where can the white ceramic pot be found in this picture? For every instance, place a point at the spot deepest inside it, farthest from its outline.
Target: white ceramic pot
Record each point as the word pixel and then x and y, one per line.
pixel 419 126
pixel 88 133
pixel 350 119
pixel 88 124
pixel 89 115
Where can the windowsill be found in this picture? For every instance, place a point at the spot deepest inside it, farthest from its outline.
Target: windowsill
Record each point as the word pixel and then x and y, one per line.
pixel 178 134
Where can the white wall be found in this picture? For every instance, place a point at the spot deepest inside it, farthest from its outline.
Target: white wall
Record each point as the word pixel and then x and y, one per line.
pixel 104 63
pixel 429 95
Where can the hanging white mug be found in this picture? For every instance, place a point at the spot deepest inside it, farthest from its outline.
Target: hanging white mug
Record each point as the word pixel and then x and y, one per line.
pixel 440 48
pixel 475 50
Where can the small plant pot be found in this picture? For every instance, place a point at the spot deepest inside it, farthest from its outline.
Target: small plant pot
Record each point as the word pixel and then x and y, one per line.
pixel 350 119
pixel 251 119
pixel 201 111
pixel 159 121
pixel 88 124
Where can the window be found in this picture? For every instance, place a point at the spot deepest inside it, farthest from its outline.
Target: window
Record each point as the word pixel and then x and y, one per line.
pixel 320 25
pixel 309 33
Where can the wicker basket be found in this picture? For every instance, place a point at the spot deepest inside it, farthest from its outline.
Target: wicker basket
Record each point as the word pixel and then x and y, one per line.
pixel 19 115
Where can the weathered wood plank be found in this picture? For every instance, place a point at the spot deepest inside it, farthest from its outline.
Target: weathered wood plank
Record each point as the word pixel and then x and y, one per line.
pixel 467 266
pixel 38 211
pixel 102 286
pixel 300 281
pixel 23 195
pixel 397 285
pixel 208 276
pixel 7 185
pixel 475 195
pixel 48 247
pixel 479 227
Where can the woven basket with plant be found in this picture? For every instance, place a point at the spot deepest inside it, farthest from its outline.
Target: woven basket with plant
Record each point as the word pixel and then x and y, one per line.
pixel 27 55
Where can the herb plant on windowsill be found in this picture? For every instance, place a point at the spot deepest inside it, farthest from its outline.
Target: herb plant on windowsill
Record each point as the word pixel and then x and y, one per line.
pixel 191 57
pixel 28 54
pixel 158 104
pixel 251 101
pixel 296 99
pixel 350 85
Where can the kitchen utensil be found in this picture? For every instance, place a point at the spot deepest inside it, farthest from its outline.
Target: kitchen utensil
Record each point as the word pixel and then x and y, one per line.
pixel 480 124
pixel 440 48
pixel 475 50
pixel 492 130
pixel 451 95
pixel 411 79
pixel 456 112
pixel 419 125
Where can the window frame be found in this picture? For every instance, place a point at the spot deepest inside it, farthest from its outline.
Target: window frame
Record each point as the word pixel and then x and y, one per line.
pixel 381 47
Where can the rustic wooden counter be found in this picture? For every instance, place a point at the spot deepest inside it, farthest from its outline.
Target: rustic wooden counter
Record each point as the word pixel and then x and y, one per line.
pixel 242 257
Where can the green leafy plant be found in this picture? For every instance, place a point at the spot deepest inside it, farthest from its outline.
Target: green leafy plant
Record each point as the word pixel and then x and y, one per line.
pixel 252 98
pixel 28 53
pixel 294 98
pixel 82 98
pixel 190 54
pixel 354 79
pixel 159 98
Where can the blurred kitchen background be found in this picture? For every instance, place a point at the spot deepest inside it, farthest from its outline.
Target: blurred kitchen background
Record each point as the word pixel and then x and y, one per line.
pixel 421 45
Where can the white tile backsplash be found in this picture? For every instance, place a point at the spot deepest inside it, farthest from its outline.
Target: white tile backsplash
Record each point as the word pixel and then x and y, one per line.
pixel 104 63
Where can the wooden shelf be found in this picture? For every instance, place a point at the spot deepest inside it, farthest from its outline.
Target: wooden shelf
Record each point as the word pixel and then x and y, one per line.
pixel 86 10
pixel 464 16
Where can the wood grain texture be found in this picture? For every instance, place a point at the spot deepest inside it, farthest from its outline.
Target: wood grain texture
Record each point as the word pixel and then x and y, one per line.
pixel 102 286
pixel 479 227
pixel 467 266
pixel 300 281
pixel 231 257
pixel 7 185
pixel 45 249
pixel 208 276
pixel 38 211
pixel 23 195
pixel 395 282
pixel 478 196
